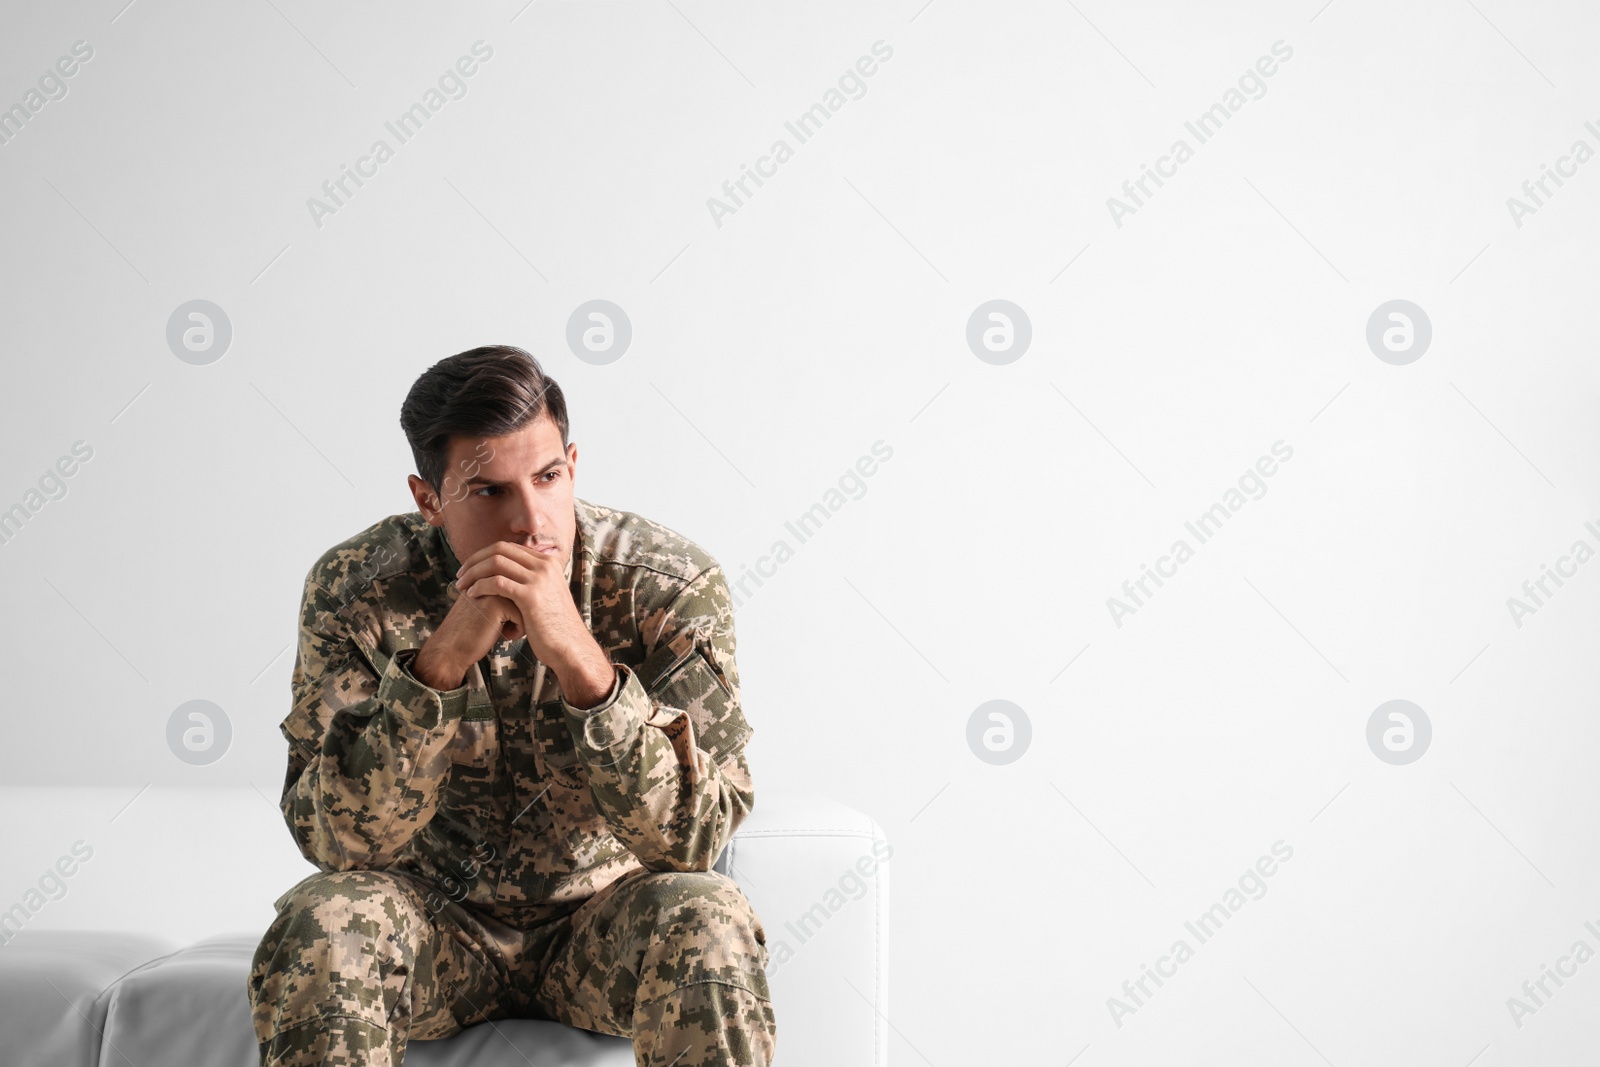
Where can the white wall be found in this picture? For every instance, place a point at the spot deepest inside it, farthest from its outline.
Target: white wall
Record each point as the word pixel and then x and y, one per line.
pixel 179 863
pixel 830 312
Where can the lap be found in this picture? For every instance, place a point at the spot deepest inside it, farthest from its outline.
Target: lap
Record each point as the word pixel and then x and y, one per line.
pixel 634 942
pixel 351 941
pixel 646 935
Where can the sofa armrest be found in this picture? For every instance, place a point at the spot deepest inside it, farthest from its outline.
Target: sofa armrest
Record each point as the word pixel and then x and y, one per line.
pixel 817 873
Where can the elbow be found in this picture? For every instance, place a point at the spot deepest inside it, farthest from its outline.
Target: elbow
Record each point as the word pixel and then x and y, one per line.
pixel 694 852
pixel 680 862
pixel 318 853
pixel 324 848
pixel 335 861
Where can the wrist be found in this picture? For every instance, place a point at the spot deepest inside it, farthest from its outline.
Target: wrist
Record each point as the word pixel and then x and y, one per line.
pixel 438 668
pixel 587 681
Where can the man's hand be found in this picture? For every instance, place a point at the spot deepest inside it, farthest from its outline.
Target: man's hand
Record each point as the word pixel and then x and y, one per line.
pixel 532 580
pixel 470 629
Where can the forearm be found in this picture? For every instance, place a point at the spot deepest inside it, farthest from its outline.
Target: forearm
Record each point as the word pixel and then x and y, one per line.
pixel 587 676
pixel 375 780
pixel 438 666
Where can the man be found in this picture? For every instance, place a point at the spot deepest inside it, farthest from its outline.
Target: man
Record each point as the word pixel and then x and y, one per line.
pixel 516 749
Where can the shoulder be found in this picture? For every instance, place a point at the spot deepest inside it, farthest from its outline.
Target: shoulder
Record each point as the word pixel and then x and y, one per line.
pixel 650 553
pixel 393 545
pixel 649 580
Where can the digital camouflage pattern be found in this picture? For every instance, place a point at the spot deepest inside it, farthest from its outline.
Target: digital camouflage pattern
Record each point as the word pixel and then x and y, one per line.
pixel 493 852
pixel 357 963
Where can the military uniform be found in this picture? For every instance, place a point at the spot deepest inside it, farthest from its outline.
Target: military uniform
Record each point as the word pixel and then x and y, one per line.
pixel 492 852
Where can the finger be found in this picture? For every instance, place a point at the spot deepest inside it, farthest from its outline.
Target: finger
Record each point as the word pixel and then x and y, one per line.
pixel 516 562
pixel 498 590
pixel 486 552
pixel 496 585
pixel 477 607
pixel 511 629
pixel 526 556
pixel 521 553
pixel 493 565
pixel 513 612
pixel 490 604
pixel 520 565
pixel 511 626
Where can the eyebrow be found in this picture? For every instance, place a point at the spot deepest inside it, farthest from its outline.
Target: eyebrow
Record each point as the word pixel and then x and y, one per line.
pixel 559 461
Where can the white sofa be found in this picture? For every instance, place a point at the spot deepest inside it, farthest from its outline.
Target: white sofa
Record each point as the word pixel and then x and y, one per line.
pixel 127 995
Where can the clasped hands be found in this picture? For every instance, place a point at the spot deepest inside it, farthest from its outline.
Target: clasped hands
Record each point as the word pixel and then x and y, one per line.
pixel 511 591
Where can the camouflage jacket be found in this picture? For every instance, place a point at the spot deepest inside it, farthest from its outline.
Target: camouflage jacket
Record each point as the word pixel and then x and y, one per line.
pixel 499 793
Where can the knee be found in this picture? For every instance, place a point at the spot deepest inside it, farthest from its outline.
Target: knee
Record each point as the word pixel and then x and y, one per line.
pixel 347 922
pixel 707 916
pixel 676 895
pixel 331 903
pixel 344 945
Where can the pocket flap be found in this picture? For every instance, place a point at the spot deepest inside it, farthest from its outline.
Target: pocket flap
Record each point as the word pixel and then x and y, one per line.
pixel 693 685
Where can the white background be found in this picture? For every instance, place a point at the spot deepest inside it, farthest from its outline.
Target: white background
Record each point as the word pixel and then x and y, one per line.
pixel 771 352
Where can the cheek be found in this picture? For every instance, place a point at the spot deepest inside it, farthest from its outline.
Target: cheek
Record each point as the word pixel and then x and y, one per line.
pixel 467 534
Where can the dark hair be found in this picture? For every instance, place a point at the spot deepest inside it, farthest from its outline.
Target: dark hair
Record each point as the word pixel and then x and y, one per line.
pixel 482 392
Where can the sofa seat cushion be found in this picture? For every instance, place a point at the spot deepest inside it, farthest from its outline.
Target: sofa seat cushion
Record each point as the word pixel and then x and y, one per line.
pixel 50 987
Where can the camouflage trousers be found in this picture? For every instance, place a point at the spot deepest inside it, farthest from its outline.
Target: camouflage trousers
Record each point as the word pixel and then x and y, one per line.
pixel 357 962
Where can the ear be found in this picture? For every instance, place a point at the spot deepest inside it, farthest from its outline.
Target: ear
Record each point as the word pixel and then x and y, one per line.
pixel 427 500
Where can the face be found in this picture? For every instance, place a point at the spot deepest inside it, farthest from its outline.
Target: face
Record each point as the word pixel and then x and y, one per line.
pixel 515 488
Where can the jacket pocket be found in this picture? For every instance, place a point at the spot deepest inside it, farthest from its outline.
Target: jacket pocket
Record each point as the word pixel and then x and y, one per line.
pixel 692 684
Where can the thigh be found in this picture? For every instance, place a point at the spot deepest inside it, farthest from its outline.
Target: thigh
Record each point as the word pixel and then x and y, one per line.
pixel 645 935
pixel 371 945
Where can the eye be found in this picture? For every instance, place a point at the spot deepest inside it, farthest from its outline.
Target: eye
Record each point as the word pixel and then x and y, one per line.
pixel 488 489
pixel 552 475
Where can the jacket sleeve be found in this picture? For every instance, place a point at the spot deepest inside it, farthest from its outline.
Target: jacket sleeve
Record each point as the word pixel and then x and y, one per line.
pixel 666 764
pixel 369 744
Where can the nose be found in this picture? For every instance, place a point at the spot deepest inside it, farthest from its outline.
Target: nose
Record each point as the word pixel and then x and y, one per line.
pixel 529 521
